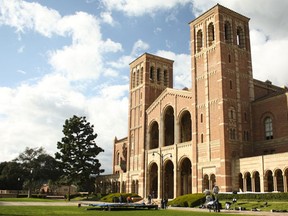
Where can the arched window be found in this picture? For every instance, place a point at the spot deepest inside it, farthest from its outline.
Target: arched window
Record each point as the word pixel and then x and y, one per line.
pixel 141 75
pixel 199 40
pixel 151 75
pixel 211 34
pixel 169 126
pixel 137 77
pixel 227 32
pixel 268 128
pixel 240 37
pixel 118 159
pixel 154 135
pixel 202 138
pixel 158 74
pixel 231 113
pixel 185 127
pixel 165 78
pixel 133 79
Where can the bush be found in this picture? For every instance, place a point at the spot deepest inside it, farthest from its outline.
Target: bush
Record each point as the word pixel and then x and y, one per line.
pixel 188 200
pixel 255 196
pixel 114 197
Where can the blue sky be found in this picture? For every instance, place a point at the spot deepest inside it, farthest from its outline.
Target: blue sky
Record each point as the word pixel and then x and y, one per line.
pixel 60 58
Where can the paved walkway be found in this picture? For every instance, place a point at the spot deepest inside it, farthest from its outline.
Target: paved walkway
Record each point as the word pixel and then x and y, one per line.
pixel 85 203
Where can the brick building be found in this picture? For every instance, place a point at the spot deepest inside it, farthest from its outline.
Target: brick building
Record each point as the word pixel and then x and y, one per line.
pixel 228 129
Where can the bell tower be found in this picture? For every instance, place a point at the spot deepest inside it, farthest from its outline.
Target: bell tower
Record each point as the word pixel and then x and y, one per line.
pixel 150 75
pixel 222 86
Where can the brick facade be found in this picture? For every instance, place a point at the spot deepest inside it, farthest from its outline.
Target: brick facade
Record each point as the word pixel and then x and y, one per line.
pixel 227 129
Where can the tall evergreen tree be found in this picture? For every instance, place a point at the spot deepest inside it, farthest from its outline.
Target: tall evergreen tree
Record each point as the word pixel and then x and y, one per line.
pixel 78 152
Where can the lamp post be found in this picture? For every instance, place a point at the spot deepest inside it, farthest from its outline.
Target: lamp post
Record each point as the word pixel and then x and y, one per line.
pixel 162 156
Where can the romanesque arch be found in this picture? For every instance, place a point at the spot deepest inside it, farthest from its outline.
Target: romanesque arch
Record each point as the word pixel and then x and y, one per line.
pixel 205 182
pixel 240 181
pixel 185 127
pixel 279 180
pixel 154 135
pixel 257 184
pixel 185 176
pixel 168 180
pixel 268 181
pixel 153 180
pixel 169 126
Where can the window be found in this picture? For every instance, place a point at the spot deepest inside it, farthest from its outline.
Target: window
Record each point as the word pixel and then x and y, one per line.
pixel 141 75
pixel 201 118
pixel 137 78
pixel 133 79
pixel 268 128
pixel 232 134
pixel 118 159
pixel 151 73
pixel 240 38
pixel 199 40
pixel 211 35
pixel 231 113
pixel 231 84
pixel 202 138
pixel 158 74
pixel 165 78
pixel 227 32
pixel 246 136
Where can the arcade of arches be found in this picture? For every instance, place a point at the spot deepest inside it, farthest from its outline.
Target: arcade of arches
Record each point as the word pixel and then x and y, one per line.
pixel 276 180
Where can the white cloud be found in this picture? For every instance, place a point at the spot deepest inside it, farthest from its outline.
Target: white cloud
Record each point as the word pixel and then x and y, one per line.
pixel 107 18
pixel 139 8
pixel 33 114
pixel 181 70
pixel 139 47
pixel 33 16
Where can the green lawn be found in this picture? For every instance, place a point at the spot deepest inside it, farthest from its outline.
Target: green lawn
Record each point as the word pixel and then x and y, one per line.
pixel 30 200
pixel 74 210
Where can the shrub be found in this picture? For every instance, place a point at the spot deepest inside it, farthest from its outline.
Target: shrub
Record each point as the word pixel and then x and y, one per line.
pixel 114 197
pixel 188 200
pixel 255 196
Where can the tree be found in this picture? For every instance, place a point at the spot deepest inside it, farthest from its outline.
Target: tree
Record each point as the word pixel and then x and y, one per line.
pixel 38 168
pixel 11 176
pixel 78 152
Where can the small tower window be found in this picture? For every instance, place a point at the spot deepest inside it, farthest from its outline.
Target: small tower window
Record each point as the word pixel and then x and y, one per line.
pixel 133 79
pixel 141 75
pixel 240 37
pixel 211 34
pixel 231 84
pixel 165 78
pixel 137 78
pixel 199 40
pixel 158 74
pixel 227 32
pixel 151 75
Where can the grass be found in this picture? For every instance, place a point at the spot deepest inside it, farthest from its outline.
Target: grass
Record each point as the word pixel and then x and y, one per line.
pixel 29 200
pixel 249 205
pixel 73 210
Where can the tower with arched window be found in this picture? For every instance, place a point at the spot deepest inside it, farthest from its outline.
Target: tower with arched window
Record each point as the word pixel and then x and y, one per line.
pixel 223 87
pixel 228 130
pixel 150 75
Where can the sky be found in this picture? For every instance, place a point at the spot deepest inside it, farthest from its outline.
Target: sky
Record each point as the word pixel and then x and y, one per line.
pixel 71 57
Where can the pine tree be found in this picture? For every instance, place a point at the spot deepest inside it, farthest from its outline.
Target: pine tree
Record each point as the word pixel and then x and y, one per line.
pixel 78 152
